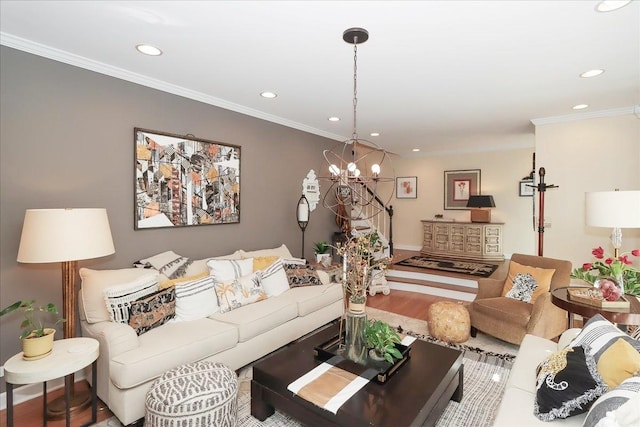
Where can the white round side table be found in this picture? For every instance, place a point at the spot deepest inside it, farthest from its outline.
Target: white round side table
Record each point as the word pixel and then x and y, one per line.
pixel 68 356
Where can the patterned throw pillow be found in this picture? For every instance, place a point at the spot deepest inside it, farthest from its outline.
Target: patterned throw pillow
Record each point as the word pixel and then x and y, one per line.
pixel 225 270
pixel 542 277
pixel 523 287
pixel 617 407
pixel 567 384
pixel 167 263
pixel 599 334
pixel 119 298
pixel 152 311
pixel 195 299
pixel 238 292
pixel 302 275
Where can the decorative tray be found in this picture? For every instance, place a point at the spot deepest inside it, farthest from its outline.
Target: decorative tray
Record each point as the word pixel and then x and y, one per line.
pixel 593 296
pixel 382 370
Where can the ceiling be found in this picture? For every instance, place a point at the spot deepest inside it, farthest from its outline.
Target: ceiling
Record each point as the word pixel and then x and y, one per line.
pixel 441 76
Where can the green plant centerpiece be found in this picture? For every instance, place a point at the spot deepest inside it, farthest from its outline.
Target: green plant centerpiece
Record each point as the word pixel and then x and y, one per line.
pixel 37 327
pixel 381 338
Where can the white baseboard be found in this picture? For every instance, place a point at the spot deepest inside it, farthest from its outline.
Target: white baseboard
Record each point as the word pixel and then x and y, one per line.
pixel 440 292
pixel 31 391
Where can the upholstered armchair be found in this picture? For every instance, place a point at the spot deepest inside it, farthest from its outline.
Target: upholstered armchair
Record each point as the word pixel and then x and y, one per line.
pixel 511 319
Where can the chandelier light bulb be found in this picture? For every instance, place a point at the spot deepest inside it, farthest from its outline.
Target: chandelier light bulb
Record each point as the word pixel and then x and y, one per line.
pixel 375 169
pixel 351 167
pixel 334 170
pixel 356 172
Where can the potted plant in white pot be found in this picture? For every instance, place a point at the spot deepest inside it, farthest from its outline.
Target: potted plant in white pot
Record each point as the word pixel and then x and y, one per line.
pixel 36 337
pixel 381 339
pixel 322 250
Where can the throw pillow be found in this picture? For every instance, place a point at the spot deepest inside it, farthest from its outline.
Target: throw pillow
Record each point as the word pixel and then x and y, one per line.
pixel 153 310
pixel 225 270
pixel 180 280
pixel 274 279
pixel 518 275
pixel 617 407
pixel 94 282
pixel 119 298
pixel 599 334
pixel 619 362
pixel 239 292
pixel 195 299
pixel 281 251
pixel 302 275
pixel 292 260
pixel 567 384
pixel 262 262
pixel 523 287
pixel 167 263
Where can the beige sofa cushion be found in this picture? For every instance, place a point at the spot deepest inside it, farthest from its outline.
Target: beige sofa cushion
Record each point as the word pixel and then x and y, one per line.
pixel 169 346
pixel 313 298
pixel 281 251
pixel 255 319
pixel 94 282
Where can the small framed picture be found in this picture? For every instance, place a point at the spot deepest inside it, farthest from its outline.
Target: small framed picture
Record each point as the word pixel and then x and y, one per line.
pixel 407 187
pixel 458 186
pixel 526 188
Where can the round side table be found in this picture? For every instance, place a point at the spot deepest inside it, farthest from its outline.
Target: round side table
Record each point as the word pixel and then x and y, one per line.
pixel 623 316
pixel 68 356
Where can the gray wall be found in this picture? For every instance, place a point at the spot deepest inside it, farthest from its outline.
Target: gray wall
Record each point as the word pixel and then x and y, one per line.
pixel 67 141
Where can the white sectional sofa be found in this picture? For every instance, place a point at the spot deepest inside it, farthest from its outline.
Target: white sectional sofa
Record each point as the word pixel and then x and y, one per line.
pixel 129 363
pixel 616 369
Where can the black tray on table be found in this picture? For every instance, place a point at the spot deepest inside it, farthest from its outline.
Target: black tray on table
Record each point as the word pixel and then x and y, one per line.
pixel 383 369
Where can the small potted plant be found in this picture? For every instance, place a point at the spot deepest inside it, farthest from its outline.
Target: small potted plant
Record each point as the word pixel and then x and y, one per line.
pixel 381 339
pixel 36 337
pixel 322 250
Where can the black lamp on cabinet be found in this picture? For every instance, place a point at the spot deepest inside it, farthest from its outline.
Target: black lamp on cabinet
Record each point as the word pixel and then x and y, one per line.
pixel 302 215
pixel 480 207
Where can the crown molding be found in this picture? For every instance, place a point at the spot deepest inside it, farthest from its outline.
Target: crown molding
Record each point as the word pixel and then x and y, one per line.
pixel 583 116
pixel 122 74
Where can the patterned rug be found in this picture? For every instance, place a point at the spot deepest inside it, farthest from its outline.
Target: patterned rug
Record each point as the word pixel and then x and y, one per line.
pixel 472 268
pixel 487 363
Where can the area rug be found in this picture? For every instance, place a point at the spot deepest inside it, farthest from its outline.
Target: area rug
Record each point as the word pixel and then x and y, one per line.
pixel 487 363
pixel 472 268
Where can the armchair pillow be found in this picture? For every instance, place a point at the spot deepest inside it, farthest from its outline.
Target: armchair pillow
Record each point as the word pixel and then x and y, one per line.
pixel 526 283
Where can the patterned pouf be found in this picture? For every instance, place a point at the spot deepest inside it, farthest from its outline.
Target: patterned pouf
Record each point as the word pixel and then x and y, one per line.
pixel 199 394
pixel 449 321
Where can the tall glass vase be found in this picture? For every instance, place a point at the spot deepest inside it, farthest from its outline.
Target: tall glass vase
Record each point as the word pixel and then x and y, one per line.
pixel 355 346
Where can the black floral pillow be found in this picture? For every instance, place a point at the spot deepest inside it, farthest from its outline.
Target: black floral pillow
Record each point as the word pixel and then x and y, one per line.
pixel 301 275
pixel 153 310
pixel 567 384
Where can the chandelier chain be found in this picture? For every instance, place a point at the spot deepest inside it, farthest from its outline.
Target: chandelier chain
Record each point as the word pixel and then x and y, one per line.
pixel 355 86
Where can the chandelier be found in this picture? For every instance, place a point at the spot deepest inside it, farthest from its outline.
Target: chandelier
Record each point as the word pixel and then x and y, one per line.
pixel 359 173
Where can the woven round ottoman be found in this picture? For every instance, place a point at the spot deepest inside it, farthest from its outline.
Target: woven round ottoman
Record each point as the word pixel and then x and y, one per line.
pixel 449 321
pixel 199 394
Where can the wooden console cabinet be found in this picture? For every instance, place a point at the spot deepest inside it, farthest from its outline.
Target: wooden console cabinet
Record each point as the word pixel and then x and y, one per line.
pixel 464 240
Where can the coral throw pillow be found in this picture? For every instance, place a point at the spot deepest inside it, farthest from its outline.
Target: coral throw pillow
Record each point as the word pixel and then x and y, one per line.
pixel 527 283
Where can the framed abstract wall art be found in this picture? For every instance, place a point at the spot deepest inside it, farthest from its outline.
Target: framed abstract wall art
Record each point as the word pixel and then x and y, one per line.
pixel 184 181
pixel 458 186
pixel 407 187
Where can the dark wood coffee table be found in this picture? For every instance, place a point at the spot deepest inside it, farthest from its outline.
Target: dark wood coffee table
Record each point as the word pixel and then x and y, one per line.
pixel 415 395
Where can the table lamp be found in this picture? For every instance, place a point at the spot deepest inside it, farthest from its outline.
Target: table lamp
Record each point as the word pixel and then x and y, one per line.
pixel 480 204
pixel 615 209
pixel 65 236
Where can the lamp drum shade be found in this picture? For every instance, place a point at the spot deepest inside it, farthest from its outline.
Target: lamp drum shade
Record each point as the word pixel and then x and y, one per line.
pixel 59 235
pixel 477 203
pixel 616 209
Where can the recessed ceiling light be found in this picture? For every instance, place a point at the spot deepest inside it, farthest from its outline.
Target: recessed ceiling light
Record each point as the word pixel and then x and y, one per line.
pixel 592 73
pixel 147 49
pixel 580 106
pixel 415 150
pixel 375 134
pixel 334 119
pixel 611 5
pixel 269 95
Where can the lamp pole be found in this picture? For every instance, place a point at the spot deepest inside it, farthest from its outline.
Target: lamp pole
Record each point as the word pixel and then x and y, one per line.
pixel 302 215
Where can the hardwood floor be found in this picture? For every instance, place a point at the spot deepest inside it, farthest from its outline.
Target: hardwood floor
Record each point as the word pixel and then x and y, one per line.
pixel 29 414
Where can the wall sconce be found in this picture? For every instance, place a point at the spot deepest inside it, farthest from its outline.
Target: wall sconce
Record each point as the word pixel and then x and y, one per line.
pixel 480 205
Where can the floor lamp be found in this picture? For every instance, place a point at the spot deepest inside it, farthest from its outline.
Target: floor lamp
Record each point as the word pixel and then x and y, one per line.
pixel 65 236
pixel 302 215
